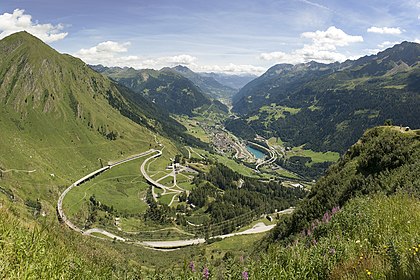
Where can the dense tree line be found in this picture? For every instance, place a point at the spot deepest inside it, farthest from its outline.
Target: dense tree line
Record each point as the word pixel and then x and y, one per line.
pixel 238 199
pixel 298 164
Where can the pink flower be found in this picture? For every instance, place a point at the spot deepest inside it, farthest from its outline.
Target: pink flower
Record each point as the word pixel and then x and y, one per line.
pixel 192 266
pixel 206 273
pixel 335 210
pixel 245 275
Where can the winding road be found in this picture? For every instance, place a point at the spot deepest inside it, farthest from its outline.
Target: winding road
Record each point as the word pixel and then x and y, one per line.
pixel 258 228
pixel 60 211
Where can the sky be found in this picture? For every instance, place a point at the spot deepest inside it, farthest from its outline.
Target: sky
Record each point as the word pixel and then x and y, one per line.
pixel 230 36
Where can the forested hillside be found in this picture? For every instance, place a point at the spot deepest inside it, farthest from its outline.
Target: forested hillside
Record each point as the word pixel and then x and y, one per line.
pixel 328 106
pixel 167 89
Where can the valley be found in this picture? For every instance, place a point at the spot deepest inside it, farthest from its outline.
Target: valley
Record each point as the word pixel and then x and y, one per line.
pixel 120 173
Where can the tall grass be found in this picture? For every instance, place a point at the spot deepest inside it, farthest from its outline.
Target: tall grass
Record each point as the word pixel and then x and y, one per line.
pixel 44 251
pixel 370 238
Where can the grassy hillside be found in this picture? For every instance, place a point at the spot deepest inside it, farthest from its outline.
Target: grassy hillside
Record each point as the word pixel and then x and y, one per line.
pixel 44 250
pixel 360 221
pixel 60 120
pixel 385 159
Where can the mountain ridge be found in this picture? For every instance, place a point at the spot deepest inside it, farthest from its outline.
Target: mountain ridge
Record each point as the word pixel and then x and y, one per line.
pixel 332 104
pixel 168 89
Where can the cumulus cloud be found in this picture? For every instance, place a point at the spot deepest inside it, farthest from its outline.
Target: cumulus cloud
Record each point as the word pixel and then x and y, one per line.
pixel 112 53
pixel 387 44
pixel 230 68
pixel 331 38
pixel 108 53
pixel 322 49
pixel 183 59
pixel 385 30
pixel 19 21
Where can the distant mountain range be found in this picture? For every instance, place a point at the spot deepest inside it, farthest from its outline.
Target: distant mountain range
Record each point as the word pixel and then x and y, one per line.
pixel 328 106
pixel 207 84
pixel 166 88
pixel 235 81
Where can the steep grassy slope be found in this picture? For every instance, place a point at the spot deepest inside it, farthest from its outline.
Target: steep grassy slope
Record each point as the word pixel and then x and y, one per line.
pixel 61 120
pixel 385 160
pixel 45 251
pixel 333 103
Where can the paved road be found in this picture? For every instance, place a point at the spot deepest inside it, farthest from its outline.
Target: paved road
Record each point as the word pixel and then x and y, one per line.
pixel 104 232
pixel 258 228
pixel 60 211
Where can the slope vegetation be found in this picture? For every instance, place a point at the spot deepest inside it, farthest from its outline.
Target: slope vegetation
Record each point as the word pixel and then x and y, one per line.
pixel 60 119
pixel 166 88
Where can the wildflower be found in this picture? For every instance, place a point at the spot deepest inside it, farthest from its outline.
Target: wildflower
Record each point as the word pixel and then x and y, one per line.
pixel 357 241
pixel 245 275
pixel 332 251
pixel 335 210
pixel 326 218
pixel 369 273
pixel 192 266
pixel 206 273
pixel 241 259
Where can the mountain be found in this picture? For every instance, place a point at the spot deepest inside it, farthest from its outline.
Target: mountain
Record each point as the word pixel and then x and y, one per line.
pixel 328 106
pixel 231 80
pixel 385 160
pixel 60 119
pixel 166 88
pixel 207 84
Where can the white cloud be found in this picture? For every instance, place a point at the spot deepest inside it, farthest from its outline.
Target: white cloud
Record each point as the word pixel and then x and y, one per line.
pixel 230 68
pixel 417 41
pixel 112 53
pixel 314 4
pixel 178 59
pixel 374 51
pixel 107 53
pixel 19 21
pixel 322 49
pixel 385 30
pixel 387 44
pixel 331 38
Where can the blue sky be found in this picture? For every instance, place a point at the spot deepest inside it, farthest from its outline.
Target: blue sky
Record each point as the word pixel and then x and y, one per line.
pixel 218 35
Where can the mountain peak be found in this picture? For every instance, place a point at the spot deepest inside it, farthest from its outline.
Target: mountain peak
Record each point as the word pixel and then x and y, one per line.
pixel 24 43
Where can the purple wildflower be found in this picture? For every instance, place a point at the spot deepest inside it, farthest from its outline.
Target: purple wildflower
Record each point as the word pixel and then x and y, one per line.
pixel 326 218
pixel 192 266
pixel 245 275
pixel 206 273
pixel 314 241
pixel 335 210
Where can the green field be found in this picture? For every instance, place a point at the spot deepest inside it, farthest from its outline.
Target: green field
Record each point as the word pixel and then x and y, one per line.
pixel 167 198
pixel 121 187
pixel 193 128
pixel 317 157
